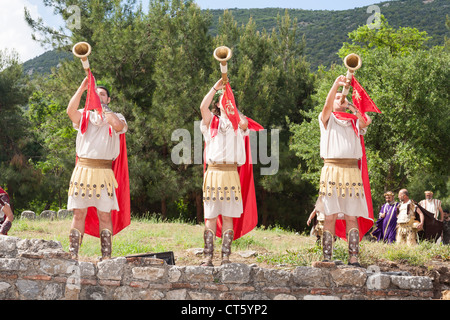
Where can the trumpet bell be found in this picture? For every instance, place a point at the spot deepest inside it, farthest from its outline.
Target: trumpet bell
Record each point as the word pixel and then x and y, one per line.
pixel 352 62
pixel 81 50
pixel 222 54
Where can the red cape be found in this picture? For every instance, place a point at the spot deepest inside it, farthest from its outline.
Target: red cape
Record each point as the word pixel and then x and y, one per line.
pixel 249 217
pixel 120 219
pixel 364 224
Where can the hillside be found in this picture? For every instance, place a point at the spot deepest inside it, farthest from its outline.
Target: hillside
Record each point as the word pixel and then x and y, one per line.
pixel 324 30
pixel 45 62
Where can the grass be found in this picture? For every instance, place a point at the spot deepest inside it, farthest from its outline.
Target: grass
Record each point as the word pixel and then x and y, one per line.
pixel 275 246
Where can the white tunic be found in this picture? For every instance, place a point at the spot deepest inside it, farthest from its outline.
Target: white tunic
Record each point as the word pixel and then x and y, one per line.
pixel 403 213
pixel 339 141
pixel 227 147
pixel 432 205
pixel 96 143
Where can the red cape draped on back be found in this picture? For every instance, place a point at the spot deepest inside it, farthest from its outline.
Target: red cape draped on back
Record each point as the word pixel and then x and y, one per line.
pixel 249 218
pixel 120 219
pixel 364 224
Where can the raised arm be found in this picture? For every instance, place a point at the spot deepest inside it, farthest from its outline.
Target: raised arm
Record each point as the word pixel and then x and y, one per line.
pixel 329 102
pixel 204 106
pixel 72 108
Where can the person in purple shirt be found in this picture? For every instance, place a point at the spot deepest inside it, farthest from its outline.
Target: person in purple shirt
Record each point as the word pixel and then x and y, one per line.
pixel 387 220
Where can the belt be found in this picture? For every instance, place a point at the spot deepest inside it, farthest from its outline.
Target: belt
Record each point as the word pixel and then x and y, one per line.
pixel 223 167
pixel 346 163
pixel 94 163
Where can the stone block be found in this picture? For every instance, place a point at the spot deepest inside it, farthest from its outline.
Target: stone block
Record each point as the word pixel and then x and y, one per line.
pixel 8 246
pixel 11 264
pixel 378 281
pixel 278 277
pixel 30 215
pixel 199 274
pixel 412 283
pixel 148 273
pixel 56 266
pixel 47 215
pixel 177 295
pixel 64 213
pixel 235 273
pixel 111 269
pixel 311 277
pixel 28 289
pixel 348 276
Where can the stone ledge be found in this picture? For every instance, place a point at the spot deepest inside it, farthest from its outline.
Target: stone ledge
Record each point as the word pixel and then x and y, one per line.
pixel 41 270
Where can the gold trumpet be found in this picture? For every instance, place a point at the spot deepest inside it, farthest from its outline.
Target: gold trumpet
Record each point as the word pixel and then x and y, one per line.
pixel 82 50
pixel 223 54
pixel 352 62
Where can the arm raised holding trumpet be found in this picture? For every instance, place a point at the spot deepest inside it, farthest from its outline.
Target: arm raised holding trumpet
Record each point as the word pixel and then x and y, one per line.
pixel 82 50
pixel 99 192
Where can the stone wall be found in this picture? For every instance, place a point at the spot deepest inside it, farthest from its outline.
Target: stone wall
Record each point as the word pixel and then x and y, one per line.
pixel 35 269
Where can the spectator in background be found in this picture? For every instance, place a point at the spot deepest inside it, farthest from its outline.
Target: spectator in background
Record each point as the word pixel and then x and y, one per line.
pixel 386 224
pixel 407 225
pixel 432 205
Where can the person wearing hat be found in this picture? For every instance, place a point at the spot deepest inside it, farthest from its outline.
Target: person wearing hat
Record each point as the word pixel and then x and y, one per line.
pixel 432 205
pixel 386 224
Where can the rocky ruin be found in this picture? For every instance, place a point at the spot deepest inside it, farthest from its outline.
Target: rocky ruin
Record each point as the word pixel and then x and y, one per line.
pixel 36 269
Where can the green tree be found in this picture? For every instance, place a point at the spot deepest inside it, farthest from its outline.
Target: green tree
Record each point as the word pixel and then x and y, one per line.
pixel 401 41
pixel 408 141
pixel 17 176
pixel 56 140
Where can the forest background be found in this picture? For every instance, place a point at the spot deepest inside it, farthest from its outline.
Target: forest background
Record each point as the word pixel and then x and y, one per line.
pixel 159 65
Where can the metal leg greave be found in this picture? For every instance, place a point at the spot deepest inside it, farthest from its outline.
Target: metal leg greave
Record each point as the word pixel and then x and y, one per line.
pixel 353 245
pixel 75 238
pixel 227 239
pixel 327 245
pixel 106 243
pixel 208 251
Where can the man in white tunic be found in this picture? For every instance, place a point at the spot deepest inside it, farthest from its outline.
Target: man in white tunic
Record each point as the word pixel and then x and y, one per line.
pixel 433 205
pixel 224 152
pixel 341 186
pixel 93 183
pixel 407 225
